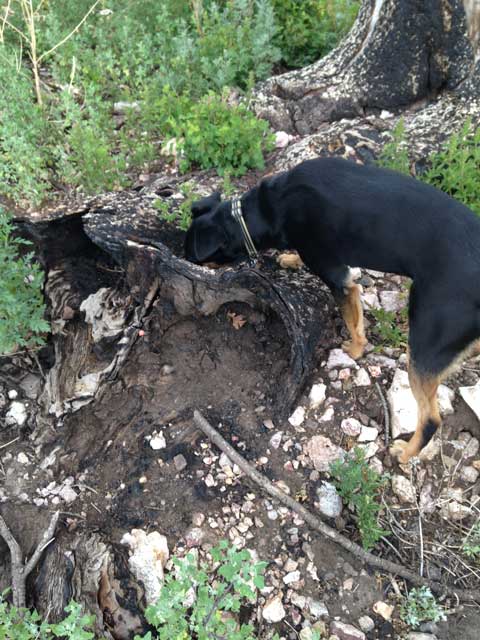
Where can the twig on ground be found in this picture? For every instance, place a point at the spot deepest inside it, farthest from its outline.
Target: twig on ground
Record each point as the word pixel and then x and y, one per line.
pixel 20 570
pixel 7 444
pixel 386 414
pixel 318 525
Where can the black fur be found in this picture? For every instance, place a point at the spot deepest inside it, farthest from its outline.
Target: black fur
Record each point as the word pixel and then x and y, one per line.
pixel 337 213
pixel 428 432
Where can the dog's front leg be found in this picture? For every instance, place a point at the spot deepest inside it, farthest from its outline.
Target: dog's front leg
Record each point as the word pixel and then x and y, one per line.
pixel 352 312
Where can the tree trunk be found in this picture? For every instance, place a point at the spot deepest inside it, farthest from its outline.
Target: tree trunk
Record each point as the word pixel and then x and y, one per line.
pixel 397 53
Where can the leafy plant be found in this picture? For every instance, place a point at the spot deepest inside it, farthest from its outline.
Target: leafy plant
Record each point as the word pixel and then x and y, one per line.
pixel 471 543
pixel 17 624
pixel 359 485
pixel 456 167
pixel 308 29
pixel 421 606
pixel 22 308
pixel 394 154
pixel 386 325
pixel 181 216
pixel 197 601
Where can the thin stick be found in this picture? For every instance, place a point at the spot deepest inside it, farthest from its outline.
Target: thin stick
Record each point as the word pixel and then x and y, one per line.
pixel 7 444
pixel 385 414
pixel 19 570
pixel 317 524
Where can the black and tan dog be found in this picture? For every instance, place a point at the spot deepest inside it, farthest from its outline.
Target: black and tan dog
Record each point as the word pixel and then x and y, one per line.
pixel 336 213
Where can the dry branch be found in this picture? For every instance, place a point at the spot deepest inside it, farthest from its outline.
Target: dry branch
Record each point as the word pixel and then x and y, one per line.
pixel 20 570
pixel 321 527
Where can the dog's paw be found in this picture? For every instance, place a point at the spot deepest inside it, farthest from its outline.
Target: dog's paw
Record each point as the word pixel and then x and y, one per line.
pixel 354 349
pixel 398 450
pixel 290 261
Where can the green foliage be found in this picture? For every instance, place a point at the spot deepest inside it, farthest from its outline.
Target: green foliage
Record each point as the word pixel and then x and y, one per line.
pixel 196 600
pixel 211 132
pixel 386 326
pixel 27 625
pixel 471 544
pixel 394 154
pixel 180 216
pixel 456 167
pixel 22 308
pixel 421 606
pixel 359 485
pixel 308 29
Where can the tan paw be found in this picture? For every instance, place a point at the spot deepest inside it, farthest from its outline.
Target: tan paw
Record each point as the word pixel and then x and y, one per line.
pixel 354 349
pixel 398 450
pixel 290 261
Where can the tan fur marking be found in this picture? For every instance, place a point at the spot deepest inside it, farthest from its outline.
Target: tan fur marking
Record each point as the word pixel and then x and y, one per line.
pixel 352 313
pixel 424 389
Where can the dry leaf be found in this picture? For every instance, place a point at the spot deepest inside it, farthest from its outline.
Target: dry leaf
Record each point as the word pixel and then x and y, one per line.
pixel 237 320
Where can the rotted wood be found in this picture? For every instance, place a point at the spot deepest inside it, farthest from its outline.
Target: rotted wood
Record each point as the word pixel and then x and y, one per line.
pixel 126 226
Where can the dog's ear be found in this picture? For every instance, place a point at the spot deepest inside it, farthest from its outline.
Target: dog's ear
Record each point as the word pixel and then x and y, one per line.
pixel 207 240
pixel 200 207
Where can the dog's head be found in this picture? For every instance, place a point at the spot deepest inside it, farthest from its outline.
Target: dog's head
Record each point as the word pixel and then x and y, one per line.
pixel 212 235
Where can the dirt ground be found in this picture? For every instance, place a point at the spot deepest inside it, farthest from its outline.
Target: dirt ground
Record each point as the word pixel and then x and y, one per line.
pixel 229 366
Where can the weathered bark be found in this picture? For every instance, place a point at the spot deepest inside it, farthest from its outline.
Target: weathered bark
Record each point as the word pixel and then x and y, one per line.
pixel 397 53
pixel 123 229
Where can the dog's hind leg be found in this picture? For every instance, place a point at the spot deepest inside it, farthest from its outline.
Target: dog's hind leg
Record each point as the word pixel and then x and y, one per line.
pixel 424 388
pixel 442 326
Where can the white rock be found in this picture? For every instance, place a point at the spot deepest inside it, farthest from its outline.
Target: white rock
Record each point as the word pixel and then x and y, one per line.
pixel 282 139
pixel 403 407
pixel 322 451
pixel 149 556
pixel 351 426
pixel 22 458
pixel 369 449
pixel 466 444
pixel 293 576
pixel 469 474
pixel 445 398
pixel 392 300
pixel 329 502
pixel 31 385
pixel 328 415
pixel 417 635
pixel 355 273
pixel 12 394
pixel 16 415
pixel 346 631
pixel 455 511
pixel 298 600
pixel 273 610
pixel 370 300
pixel 403 489
pixel 366 624
pixel 297 417
pixel 471 395
pixel 158 441
pixel 383 609
pixel 275 440
pixel 362 379
pixel 67 494
pixel 317 395
pixel 376 464
pixel 431 450
pixel 368 434
pixel 317 608
pixel 338 359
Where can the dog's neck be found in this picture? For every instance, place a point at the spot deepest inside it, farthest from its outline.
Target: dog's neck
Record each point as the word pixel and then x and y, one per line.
pixel 259 218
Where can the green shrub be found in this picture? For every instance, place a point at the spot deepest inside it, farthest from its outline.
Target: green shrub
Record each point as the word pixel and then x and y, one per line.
pixel 27 625
pixel 308 29
pixel 221 587
pixel 359 485
pixel 394 154
pixel 22 307
pixel 421 606
pixel 181 215
pixel 387 328
pixel 455 169
pixel 210 133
